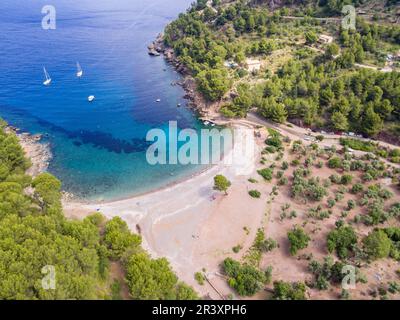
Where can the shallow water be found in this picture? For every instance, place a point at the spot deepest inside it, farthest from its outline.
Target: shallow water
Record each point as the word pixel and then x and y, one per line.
pixel 99 148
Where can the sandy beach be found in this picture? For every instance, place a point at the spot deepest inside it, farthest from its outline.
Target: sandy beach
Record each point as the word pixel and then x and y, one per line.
pixel 191 224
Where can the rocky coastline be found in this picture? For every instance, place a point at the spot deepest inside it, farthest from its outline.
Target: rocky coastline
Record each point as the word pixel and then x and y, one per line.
pixel 206 110
pixel 35 149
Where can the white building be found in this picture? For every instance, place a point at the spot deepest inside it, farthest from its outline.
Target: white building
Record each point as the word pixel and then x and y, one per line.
pixel 325 39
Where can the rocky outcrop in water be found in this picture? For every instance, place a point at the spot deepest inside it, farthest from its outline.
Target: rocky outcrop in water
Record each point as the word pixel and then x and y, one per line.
pixel 37 151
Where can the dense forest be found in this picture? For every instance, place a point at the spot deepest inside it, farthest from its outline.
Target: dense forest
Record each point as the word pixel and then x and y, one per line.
pixel 34 234
pixel 319 86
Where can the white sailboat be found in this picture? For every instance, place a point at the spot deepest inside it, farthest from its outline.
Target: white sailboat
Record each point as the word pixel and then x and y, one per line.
pixel 48 79
pixel 91 98
pixel 79 72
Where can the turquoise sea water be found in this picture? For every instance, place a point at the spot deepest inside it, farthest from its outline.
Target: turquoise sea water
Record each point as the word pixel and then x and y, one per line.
pixel 98 148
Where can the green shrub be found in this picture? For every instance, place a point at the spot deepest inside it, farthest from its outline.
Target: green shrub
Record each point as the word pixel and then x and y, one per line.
pixel 266 173
pixel 395 159
pixel 245 279
pixel 327 272
pixel 351 204
pixel 335 163
pixel 358 144
pixel 153 279
pixel 283 181
pixel 255 193
pixel 331 203
pixel 346 179
pixel 395 153
pixel 298 240
pixel 118 238
pixel 270 149
pixel 367 177
pixel 274 141
pixel 264 245
pixel 116 290
pixel 295 162
pixel 357 188
pixel 334 178
pixel 377 245
pixel 375 213
pixel 342 240
pixel 221 183
pixel 199 277
pixel 289 291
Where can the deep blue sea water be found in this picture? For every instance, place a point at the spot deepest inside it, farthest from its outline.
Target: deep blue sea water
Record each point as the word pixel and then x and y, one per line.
pixel 99 147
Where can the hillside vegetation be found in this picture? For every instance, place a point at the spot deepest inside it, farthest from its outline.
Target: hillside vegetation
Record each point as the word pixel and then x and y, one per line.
pixel 298 77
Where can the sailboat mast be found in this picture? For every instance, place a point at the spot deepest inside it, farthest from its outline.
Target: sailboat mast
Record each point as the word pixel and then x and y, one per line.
pixel 48 79
pixel 79 71
pixel 46 74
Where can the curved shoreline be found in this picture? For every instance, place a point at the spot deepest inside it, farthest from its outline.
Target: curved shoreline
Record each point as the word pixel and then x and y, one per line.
pixel 252 121
pixel 70 198
pixel 174 184
pixel 172 220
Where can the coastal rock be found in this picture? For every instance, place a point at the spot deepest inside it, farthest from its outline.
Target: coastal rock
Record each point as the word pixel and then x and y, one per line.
pixel 37 137
pixel 67 196
pixel 38 152
pixel 157 46
pixel 196 99
pixel 153 52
